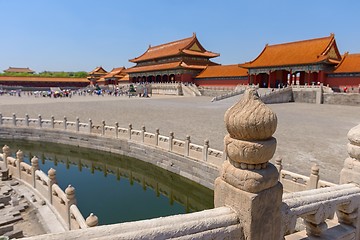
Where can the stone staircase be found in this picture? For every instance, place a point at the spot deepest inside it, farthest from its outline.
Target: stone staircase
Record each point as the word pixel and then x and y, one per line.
pixel 190 90
pixel 279 95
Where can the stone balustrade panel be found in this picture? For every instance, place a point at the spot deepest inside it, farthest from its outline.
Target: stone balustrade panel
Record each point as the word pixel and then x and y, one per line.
pixel 26 174
pixel 316 206
pixel 215 157
pixel 77 220
pixel 123 133
pixel 195 151
pixel 42 182
pixel 149 138
pixel 59 201
pixel 136 135
pixel 178 146
pixel 163 142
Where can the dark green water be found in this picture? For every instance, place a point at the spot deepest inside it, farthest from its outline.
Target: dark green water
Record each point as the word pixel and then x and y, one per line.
pixel 116 188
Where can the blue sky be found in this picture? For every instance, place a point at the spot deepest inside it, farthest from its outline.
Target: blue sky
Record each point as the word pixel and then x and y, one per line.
pixel 78 35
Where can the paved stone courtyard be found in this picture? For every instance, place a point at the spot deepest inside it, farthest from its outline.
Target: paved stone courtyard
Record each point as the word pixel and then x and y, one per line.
pixel 306 133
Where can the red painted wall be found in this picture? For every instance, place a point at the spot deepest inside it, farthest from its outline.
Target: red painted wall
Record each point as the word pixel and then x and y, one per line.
pixel 342 81
pixel 186 78
pixel 220 82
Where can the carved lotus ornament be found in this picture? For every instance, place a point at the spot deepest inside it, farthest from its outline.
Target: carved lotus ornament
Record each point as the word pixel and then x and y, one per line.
pixel 250 118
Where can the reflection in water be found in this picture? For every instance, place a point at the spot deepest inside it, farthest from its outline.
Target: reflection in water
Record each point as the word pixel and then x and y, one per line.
pixel 116 188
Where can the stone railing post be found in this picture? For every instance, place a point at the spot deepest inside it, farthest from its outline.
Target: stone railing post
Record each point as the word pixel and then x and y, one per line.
pixel 314 178
pixel 171 139
pixel 6 154
pixel 157 132
pixel 103 127
pixel 116 130
pixel 14 119
pixel 52 181
pixel 143 133
pixel 90 125
pixel 19 159
pixel 187 145
pixel 27 120
pixel 77 124
pixel 92 220
pixel 34 167
pixel 350 173
pixel 70 195
pixel 39 121
pixel 205 150
pixel 1 119
pixel 65 123
pixel 129 131
pixel 52 122
pixel 248 183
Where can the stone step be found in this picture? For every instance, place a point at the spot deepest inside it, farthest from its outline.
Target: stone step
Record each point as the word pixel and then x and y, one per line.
pixel 5 229
pixel 5 199
pixel 14 234
pixel 9 220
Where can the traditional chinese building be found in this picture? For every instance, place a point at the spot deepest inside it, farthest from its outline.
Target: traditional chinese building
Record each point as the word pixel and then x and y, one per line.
pixel 347 73
pixel 302 62
pixel 35 82
pixel 96 74
pixel 19 70
pixel 222 75
pixel 178 61
pixel 113 77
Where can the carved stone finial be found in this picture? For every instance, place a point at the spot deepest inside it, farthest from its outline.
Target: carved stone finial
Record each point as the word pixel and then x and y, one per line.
pixel 6 149
pixel 250 145
pixel 250 118
pixel 35 162
pixel 52 173
pixel 19 155
pixel 70 192
pixel 250 124
pixel 315 169
pixel 92 220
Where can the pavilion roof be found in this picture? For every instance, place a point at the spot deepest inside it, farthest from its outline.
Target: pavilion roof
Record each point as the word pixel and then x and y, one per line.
pixel 18 70
pixel 125 78
pixel 98 70
pixel 349 63
pixel 298 53
pixel 233 70
pixel 164 66
pixel 115 72
pixel 188 46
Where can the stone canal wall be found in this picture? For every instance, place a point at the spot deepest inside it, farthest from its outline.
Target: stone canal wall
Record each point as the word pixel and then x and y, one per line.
pixel 199 163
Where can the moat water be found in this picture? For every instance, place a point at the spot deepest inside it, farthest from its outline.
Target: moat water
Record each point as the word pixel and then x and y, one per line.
pixel 116 188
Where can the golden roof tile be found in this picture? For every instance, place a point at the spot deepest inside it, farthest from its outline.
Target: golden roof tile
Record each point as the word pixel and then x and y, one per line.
pixel 174 48
pixel 297 53
pixel 350 63
pixel 223 71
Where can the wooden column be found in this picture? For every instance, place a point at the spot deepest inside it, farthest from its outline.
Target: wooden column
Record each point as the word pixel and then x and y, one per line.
pixel 269 80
